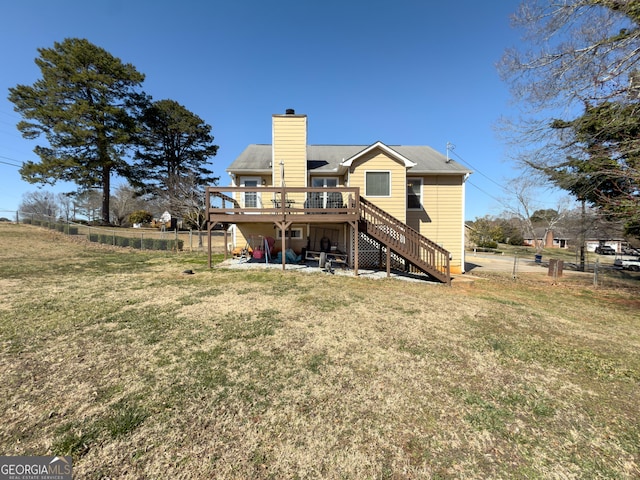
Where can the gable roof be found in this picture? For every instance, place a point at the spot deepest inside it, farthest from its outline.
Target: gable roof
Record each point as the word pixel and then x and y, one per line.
pixel 389 151
pixel 419 159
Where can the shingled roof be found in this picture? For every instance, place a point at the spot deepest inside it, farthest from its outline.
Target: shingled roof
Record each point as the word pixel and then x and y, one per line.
pixel 329 158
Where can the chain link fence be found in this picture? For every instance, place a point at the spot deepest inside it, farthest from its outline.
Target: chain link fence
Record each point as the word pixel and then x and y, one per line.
pixel 138 238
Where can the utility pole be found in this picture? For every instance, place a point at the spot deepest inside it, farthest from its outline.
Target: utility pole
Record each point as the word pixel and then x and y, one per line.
pixel 582 239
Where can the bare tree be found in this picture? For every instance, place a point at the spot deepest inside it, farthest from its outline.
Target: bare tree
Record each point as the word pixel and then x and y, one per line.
pixel 527 195
pixel 577 83
pixel 125 201
pixel 40 203
pixel 187 199
pixel 580 51
pixel 89 204
pixel 67 206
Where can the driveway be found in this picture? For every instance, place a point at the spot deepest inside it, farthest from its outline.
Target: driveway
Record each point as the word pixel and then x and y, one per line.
pixel 501 263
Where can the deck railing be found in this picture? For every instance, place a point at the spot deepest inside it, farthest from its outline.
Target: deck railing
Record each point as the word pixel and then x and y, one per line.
pixel 239 204
pixel 287 205
pixel 398 237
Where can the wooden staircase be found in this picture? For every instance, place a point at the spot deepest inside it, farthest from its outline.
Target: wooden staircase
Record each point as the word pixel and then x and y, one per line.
pixel 397 237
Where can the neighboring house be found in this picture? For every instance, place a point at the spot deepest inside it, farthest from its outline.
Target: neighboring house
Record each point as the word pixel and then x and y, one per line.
pixel 548 238
pixel 372 192
pixel 469 244
pixel 616 243
pixel 165 221
pixel 558 239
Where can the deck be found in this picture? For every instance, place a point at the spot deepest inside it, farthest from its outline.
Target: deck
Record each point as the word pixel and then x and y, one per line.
pixel 283 206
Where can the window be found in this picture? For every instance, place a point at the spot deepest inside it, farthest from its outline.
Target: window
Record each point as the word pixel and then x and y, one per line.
pixel 325 199
pixel 290 233
pixel 251 199
pixel 324 182
pixel 377 184
pixel 414 193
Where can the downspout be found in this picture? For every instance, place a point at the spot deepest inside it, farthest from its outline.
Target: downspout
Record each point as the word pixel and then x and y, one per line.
pixel 234 237
pixel 464 252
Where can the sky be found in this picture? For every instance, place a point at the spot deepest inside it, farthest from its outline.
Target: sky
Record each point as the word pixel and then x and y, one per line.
pixel 408 72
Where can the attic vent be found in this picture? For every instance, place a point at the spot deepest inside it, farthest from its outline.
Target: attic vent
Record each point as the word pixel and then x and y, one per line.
pixel 290 111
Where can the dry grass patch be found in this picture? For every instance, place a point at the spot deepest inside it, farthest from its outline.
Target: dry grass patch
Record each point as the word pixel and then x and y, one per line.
pixel 139 371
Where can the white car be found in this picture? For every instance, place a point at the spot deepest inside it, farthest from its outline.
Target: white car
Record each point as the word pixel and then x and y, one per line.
pixel 627 264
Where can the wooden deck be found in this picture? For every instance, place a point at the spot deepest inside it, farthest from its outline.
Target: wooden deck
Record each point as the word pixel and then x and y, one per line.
pixel 283 206
pixel 278 204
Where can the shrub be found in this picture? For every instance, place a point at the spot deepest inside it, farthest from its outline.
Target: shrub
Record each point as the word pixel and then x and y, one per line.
pixel 93 237
pixel 488 244
pixel 140 216
pixel 159 244
pixel 135 242
pixel 72 230
pixel 148 243
pixel 26 221
pixel 122 241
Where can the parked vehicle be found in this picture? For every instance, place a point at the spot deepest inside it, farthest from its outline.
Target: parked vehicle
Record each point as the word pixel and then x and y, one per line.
pixel 605 250
pixel 632 264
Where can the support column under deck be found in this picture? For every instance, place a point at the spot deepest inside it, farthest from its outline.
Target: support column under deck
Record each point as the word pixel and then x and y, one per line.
pixel 356 243
pixel 209 228
pixel 283 226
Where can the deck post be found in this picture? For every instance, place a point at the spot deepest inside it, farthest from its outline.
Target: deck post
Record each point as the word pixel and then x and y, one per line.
pixel 225 242
pixel 283 237
pixel 209 227
pixel 283 226
pixel 356 242
pixel 388 261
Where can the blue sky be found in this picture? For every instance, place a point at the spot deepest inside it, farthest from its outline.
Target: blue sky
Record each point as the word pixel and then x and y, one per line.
pixel 412 72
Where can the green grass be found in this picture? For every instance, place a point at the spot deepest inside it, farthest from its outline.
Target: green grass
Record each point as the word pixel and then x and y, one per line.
pixel 139 371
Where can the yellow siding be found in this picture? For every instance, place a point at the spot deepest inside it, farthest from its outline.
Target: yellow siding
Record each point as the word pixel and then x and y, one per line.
pixel 442 219
pixel 255 233
pixel 290 148
pixel 379 161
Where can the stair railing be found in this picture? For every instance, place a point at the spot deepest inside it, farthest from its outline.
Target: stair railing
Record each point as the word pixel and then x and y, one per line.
pixel 423 253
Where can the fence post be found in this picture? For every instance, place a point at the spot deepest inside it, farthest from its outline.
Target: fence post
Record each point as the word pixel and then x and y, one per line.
pixel 141 240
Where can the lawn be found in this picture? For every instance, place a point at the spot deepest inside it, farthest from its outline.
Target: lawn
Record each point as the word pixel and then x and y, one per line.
pixel 138 370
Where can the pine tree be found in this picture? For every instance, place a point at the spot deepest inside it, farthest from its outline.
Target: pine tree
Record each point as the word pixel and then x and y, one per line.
pixel 174 146
pixel 86 105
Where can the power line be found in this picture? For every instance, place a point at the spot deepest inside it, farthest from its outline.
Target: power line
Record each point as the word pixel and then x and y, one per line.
pixel 9 163
pixel 9 114
pixel 487 194
pixel 485 176
pixel 502 202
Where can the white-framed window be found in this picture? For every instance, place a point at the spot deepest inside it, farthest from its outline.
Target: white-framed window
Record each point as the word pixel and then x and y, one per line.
pixel 377 183
pixel 414 193
pixel 325 199
pixel 251 199
pixel 295 233
pixel 324 181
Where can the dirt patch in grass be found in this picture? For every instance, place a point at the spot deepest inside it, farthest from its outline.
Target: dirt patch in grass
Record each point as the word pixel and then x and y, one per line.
pixel 139 371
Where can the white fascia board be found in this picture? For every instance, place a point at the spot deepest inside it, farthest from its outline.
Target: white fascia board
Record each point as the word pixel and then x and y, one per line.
pixel 389 151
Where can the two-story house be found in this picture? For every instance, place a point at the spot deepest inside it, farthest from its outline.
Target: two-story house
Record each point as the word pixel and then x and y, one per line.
pixel 403 204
